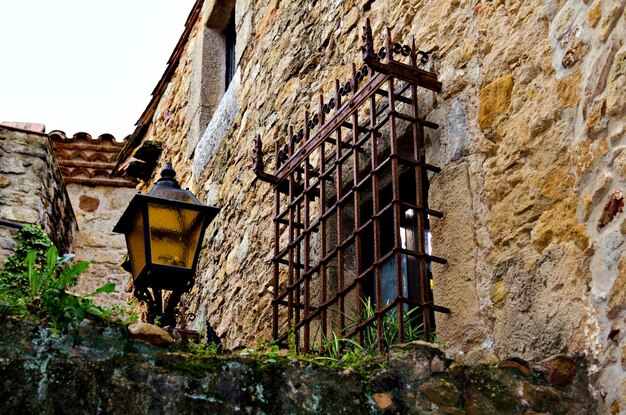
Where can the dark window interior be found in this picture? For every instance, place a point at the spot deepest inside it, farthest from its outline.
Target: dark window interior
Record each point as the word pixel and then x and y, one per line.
pixel 231 40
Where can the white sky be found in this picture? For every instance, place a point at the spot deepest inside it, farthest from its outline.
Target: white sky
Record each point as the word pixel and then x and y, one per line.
pixel 84 65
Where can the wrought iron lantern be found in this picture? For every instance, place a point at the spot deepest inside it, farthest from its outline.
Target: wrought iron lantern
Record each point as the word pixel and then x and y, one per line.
pixel 164 231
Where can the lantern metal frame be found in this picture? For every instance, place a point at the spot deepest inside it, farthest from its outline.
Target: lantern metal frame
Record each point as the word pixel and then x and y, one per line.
pixel 150 282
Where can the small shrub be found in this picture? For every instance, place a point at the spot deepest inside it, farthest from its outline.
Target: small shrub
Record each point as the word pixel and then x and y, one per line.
pixel 35 282
pixel 29 238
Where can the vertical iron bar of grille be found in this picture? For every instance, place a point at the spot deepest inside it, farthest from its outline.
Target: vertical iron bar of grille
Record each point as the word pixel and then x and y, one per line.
pixel 395 189
pixel 298 263
pixel 414 271
pixel 276 264
pixel 298 267
pixel 339 219
pixel 357 205
pixel 307 285
pixel 378 283
pixel 395 180
pixel 322 232
pixel 290 276
pixel 420 157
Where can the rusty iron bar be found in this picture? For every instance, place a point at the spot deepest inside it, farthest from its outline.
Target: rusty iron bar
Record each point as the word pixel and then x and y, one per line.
pixel 420 200
pixel 306 246
pixel 275 265
pixel 323 243
pixel 378 291
pixel 356 203
pixel 339 216
pixel 291 260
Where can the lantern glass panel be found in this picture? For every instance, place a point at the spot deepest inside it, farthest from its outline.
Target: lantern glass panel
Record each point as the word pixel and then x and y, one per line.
pixel 136 244
pixel 174 235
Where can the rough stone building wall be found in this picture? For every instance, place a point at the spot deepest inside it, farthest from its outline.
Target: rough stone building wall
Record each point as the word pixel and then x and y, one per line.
pixel 532 150
pixel 32 189
pixel 97 209
pixel 190 90
pixel 98 201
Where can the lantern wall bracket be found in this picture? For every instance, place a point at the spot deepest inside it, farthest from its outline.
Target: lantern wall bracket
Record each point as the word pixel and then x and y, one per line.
pixel 155 308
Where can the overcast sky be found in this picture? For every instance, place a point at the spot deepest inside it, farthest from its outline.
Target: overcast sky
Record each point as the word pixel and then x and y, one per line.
pixel 84 65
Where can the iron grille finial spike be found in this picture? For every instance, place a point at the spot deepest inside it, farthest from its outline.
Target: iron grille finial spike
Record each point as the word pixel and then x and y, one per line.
pixel 368 42
pixel 257 154
pixel 389 45
pixel 354 80
pixel 413 55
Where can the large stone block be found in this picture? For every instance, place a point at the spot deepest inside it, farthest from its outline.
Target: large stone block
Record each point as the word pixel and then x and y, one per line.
pixel 495 99
pixel 453 238
pixel 616 99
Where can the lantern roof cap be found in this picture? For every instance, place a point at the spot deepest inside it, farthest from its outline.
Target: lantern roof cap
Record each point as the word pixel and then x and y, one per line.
pixel 166 191
pixel 167 187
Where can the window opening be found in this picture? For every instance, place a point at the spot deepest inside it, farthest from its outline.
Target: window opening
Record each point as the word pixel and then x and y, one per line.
pixel 231 40
pixel 351 216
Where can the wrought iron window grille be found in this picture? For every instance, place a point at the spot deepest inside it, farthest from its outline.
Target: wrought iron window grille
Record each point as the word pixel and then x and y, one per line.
pixel 351 212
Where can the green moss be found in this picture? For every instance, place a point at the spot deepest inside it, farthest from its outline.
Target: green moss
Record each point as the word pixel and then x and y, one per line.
pixel 495 385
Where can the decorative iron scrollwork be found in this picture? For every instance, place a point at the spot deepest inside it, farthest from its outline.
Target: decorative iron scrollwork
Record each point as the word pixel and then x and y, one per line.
pixel 425 56
pixel 361 74
pixel 382 54
pixel 258 164
pixel 373 64
pixel 313 121
pixel 329 106
pixel 345 89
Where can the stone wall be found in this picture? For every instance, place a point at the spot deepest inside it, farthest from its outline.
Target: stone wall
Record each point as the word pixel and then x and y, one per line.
pixel 191 89
pixel 532 151
pixel 32 189
pixel 101 369
pixel 97 209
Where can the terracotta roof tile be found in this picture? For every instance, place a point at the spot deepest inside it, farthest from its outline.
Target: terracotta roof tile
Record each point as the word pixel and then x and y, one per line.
pixel 86 160
pixel 25 126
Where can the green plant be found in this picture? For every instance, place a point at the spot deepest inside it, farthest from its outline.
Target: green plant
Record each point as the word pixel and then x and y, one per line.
pixel 332 345
pixel 413 329
pixel 37 285
pixel 203 349
pixel 271 350
pixel 30 238
pixel 125 314
pixel 345 352
pixel 339 352
pixel 292 339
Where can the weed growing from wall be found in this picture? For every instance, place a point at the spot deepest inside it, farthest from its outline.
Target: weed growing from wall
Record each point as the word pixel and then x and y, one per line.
pixel 35 279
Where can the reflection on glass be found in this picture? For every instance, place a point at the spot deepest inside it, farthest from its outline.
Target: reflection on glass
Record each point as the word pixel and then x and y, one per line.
pixel 135 242
pixel 173 235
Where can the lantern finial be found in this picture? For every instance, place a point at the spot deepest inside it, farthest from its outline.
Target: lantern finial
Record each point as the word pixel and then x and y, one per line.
pixel 167 176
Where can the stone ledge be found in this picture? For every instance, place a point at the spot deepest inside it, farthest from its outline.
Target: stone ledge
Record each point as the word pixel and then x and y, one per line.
pixel 100 368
